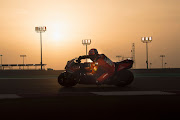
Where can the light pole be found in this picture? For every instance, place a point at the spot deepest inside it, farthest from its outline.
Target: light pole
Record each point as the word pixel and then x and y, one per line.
pixel 146 40
pixel 150 65
pixel 1 60
pixel 23 59
pixel 118 57
pixel 162 59
pixel 86 42
pixel 165 65
pixel 40 30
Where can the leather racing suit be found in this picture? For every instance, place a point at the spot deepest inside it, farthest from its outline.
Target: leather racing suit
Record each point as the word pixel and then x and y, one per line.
pixel 105 67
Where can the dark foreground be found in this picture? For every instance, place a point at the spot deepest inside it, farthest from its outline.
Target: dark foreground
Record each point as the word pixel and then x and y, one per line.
pixel 43 98
pixel 92 107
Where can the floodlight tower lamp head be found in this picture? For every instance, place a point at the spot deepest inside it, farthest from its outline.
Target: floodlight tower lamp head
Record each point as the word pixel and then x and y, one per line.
pixel 150 38
pixel 143 39
pixel 40 29
pixel 162 55
pixel 146 39
pixel 22 55
pixel 86 42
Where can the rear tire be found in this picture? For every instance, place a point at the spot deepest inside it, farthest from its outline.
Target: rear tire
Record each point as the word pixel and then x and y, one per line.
pixel 124 78
pixel 67 80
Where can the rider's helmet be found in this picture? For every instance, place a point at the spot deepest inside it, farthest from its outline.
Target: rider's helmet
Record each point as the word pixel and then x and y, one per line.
pixel 93 51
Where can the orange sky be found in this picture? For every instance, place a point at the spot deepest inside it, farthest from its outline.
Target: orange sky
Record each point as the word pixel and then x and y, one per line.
pixel 112 25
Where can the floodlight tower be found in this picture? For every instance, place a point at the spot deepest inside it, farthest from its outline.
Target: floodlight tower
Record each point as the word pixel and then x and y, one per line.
pixel 150 65
pixel 162 59
pixel 40 30
pixel 146 40
pixel 86 42
pixel 1 61
pixel 23 59
pixel 133 55
pixel 165 65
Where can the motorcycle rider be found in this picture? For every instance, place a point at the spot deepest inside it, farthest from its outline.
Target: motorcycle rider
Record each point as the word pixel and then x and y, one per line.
pixel 105 66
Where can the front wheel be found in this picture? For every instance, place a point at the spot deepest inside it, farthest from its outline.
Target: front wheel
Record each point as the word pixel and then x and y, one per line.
pixel 124 78
pixel 67 80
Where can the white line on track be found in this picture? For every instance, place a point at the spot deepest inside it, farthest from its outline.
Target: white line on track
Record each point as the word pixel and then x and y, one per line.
pixel 125 93
pixel 9 96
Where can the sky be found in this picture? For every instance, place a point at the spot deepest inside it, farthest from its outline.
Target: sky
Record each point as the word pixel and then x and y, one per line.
pixel 112 26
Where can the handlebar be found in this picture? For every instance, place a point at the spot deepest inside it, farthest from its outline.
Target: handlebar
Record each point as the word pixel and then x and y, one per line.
pixel 78 61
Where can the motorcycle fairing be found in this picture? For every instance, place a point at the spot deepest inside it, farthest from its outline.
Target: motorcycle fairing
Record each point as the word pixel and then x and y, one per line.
pixel 126 64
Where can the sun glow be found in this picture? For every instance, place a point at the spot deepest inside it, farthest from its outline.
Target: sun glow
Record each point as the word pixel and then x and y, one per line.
pixel 55 31
pixel 57 36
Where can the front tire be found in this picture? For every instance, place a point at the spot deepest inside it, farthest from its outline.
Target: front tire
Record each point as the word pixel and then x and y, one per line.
pixel 124 78
pixel 67 80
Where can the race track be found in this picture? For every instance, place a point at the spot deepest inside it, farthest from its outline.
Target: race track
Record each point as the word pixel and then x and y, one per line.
pixel 148 97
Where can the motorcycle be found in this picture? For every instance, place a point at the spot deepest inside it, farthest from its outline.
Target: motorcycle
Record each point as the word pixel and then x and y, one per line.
pixel 84 73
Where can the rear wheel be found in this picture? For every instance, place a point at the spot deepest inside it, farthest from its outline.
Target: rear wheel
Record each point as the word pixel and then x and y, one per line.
pixel 124 78
pixel 67 80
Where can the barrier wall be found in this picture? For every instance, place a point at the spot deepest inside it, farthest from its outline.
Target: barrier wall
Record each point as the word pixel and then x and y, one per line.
pixel 172 70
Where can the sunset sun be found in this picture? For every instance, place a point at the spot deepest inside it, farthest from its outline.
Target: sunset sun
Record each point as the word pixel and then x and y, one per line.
pixel 55 31
pixel 56 36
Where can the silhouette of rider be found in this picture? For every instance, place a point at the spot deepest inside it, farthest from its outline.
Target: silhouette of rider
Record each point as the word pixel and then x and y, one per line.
pixel 105 66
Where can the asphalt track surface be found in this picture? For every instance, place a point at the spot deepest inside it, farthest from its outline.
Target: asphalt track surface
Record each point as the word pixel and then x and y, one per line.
pixel 148 97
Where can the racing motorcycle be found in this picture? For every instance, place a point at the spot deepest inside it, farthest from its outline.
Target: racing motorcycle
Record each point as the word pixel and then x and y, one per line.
pixel 84 73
